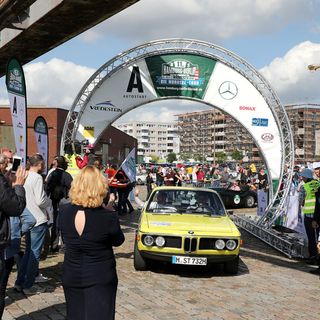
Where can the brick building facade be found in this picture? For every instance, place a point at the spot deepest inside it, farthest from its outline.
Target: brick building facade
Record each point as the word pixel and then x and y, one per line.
pixel 113 145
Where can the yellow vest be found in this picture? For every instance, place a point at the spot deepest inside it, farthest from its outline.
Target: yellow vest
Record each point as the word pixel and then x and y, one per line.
pixel 311 188
pixel 72 164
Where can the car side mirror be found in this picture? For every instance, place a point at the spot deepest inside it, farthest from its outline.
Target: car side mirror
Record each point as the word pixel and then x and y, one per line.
pixel 230 212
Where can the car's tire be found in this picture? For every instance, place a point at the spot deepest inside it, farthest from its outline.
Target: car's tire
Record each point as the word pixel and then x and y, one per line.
pixel 139 263
pixel 249 202
pixel 232 267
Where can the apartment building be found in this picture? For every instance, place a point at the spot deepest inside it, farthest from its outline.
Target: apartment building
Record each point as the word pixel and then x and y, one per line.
pixel 154 138
pixel 208 132
pixel 305 124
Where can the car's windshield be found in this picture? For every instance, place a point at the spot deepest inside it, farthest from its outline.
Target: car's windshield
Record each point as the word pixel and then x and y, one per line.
pixel 185 201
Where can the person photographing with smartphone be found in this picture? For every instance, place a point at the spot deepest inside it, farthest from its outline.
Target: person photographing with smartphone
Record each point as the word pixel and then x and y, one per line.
pixel 12 203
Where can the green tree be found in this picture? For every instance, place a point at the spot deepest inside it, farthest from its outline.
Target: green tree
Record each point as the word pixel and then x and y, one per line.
pixel 236 155
pixel 171 157
pixel 221 156
pixel 154 158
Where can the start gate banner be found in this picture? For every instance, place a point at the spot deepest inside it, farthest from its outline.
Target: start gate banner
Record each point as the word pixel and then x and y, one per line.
pixel 16 88
pixel 41 133
pixel 189 76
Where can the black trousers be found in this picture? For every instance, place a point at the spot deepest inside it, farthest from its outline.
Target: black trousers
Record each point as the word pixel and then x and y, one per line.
pixel 5 270
pixel 55 233
pixel 312 235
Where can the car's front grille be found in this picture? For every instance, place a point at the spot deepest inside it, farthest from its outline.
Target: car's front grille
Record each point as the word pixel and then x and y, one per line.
pixel 207 244
pixel 190 244
pixel 173 242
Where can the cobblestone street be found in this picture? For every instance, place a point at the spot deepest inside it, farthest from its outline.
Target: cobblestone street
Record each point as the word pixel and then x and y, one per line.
pixel 268 286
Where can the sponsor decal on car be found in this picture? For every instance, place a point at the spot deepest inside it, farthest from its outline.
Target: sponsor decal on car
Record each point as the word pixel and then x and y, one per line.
pixel 236 199
pixel 160 223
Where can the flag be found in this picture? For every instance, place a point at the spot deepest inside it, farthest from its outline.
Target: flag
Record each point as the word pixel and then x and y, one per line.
pixel 129 165
pixel 16 88
pixel 41 133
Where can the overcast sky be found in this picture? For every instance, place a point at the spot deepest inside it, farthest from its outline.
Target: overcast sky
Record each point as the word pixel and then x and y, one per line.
pixel 280 38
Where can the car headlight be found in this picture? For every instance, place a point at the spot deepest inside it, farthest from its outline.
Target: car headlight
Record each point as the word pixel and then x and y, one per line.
pixel 148 241
pixel 220 244
pixel 160 241
pixel 231 244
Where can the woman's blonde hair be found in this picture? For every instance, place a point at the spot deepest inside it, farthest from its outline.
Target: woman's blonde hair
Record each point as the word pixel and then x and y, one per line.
pixel 89 188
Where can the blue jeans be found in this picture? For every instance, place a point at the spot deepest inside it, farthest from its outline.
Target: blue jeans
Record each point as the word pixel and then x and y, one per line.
pixel 30 262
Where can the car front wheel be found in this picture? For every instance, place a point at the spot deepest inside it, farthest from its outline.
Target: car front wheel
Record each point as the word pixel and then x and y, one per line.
pixel 250 202
pixel 232 267
pixel 139 263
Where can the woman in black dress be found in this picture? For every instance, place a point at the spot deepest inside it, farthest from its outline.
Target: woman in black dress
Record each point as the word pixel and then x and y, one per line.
pixel 89 232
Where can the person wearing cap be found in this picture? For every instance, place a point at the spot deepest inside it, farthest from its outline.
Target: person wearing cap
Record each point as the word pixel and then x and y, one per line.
pixel 307 200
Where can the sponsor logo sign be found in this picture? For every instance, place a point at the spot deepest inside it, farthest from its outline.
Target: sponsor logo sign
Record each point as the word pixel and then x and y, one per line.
pixel 260 122
pixel 267 137
pixel 105 106
pixel 228 90
pixel 180 74
pixel 247 108
pixel 15 82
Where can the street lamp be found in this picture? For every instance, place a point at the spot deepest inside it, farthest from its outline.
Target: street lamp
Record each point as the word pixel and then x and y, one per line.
pixel 313 67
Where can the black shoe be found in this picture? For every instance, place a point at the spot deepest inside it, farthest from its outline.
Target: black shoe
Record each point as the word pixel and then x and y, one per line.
pixel 315 271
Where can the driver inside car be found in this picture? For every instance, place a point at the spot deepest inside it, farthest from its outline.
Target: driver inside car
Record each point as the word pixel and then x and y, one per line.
pixel 201 204
pixel 159 200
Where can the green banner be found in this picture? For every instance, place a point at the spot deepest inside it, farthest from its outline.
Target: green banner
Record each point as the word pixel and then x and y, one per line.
pixel 180 74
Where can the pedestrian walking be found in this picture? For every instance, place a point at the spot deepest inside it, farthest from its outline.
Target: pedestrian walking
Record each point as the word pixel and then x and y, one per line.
pixel 89 231
pixel 37 203
pixel 57 188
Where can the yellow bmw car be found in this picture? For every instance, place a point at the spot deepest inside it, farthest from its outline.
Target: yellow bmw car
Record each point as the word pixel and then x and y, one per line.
pixel 186 226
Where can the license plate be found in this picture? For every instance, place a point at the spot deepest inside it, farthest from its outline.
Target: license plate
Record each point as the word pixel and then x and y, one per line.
pixel 194 261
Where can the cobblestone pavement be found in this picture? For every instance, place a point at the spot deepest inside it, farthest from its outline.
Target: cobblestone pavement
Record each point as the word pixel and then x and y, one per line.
pixel 268 286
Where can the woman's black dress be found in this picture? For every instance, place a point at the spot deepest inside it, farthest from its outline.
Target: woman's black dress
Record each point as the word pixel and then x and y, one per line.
pixel 89 272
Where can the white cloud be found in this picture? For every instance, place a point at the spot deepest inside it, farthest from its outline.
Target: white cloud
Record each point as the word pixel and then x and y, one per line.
pixel 202 19
pixel 55 83
pixel 289 75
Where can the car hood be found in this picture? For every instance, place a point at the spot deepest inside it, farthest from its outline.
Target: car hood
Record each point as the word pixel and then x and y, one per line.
pixel 179 223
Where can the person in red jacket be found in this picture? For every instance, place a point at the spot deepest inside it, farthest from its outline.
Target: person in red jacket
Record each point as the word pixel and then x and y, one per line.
pixel 88 157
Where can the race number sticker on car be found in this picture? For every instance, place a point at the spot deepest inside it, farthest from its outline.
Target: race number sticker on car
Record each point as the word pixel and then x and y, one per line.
pixel 236 199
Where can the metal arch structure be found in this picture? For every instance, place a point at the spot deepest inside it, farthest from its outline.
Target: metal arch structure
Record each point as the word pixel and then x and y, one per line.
pixel 277 205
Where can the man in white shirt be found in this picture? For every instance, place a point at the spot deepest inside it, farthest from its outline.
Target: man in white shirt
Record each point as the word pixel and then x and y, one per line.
pixel 37 202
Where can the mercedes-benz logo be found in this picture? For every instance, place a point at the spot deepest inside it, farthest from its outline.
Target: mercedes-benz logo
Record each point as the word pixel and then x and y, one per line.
pixel 228 90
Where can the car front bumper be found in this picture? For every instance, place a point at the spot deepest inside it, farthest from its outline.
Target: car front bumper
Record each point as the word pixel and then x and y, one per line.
pixel 167 257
